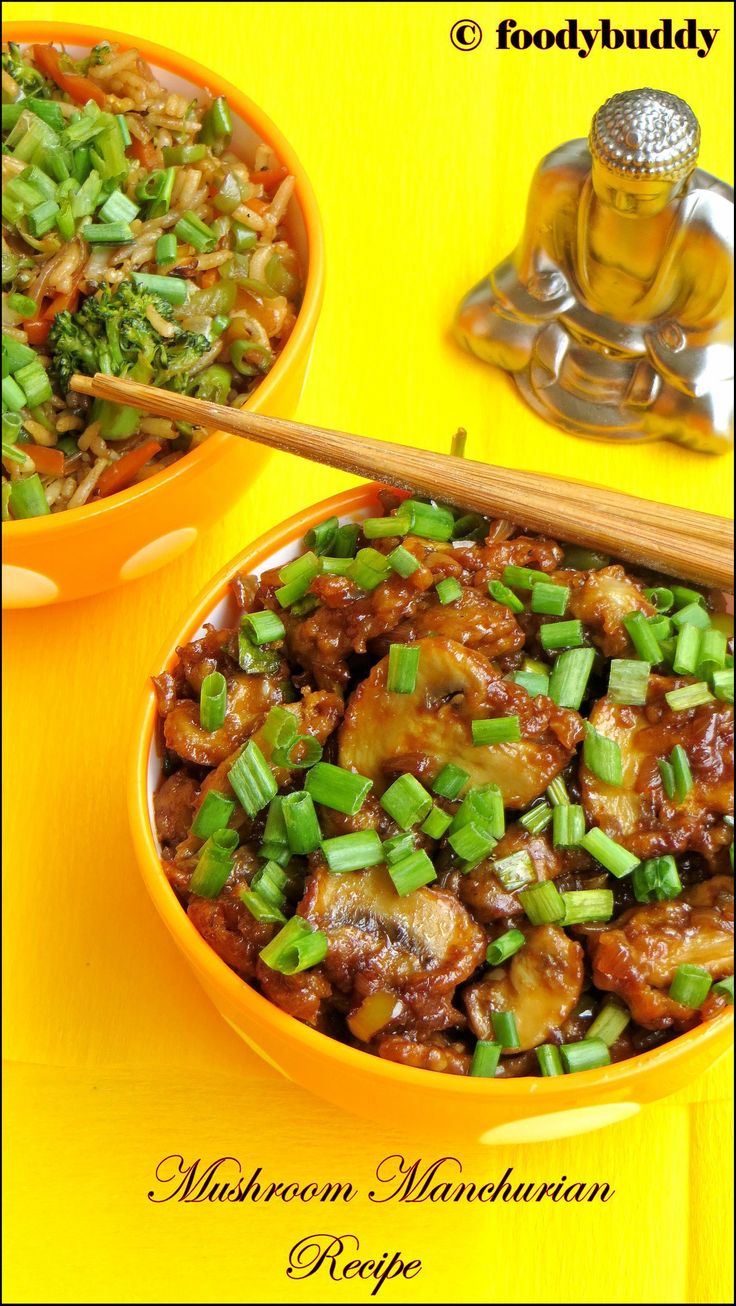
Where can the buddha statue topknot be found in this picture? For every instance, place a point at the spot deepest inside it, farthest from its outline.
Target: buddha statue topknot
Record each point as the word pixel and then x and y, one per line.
pixel 615 314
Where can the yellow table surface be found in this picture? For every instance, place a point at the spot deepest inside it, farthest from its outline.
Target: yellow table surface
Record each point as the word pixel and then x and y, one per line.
pixel 421 157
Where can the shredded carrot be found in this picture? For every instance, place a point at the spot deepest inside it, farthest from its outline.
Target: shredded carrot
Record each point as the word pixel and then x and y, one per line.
pixel 144 153
pixel 81 89
pixel 269 178
pixel 49 462
pixel 119 475
pixel 36 330
pixel 61 302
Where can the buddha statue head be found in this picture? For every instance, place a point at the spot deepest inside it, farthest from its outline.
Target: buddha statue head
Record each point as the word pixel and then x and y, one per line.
pixel 644 146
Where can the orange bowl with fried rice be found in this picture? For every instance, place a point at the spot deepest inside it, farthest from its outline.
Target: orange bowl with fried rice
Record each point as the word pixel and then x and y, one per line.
pixel 81 550
pixel 497 1111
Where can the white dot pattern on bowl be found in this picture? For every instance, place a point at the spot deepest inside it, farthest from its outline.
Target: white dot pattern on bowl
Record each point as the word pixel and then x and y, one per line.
pixel 158 552
pixel 23 588
pixel 560 1124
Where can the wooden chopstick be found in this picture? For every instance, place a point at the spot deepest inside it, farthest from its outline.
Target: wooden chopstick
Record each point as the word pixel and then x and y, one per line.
pixel 677 541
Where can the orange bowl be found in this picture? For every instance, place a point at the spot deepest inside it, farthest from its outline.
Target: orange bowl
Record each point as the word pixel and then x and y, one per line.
pixel 71 554
pixel 498 1111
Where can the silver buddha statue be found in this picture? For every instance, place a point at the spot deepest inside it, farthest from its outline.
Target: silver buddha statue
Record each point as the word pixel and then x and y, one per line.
pixel 614 314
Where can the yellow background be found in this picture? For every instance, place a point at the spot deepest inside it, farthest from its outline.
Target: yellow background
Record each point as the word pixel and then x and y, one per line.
pixel 421 157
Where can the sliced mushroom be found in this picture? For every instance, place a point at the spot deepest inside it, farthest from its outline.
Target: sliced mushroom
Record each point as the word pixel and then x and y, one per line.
pixel 637 955
pixel 422 944
pixel 454 687
pixel 601 600
pixel 248 698
pixel 638 813
pixel 474 620
pixel 540 986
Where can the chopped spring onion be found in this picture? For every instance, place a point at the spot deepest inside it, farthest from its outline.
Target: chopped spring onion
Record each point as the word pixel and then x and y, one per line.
pixel 300 753
pixel 602 756
pixel 402 561
pixel 485 1059
pixel 260 908
pixel 725 988
pixel 450 781
pixel 297 576
pixel 176 155
pixel 156 189
pixel 515 871
pixel 495 730
pixel 191 230
pixel 335 566
pixel 172 289
pixel 378 528
pixel 619 861
pixel 123 129
pixel 628 681
pixel 295 948
pixel 252 779
pixel 689 696
pixel 504 1029
pixel 692 615
pixel 583 905
pixel 118 208
pixel 275 828
pixel 568 825
pixel 270 882
pixel 548 1056
pixel 561 634
pixel 681 771
pixel 537 818
pixel 412 872
pixel 690 986
pixel 687 651
pixel 321 537
pixel 449 590
pixel 214 864
pixel 656 880
pixel 213 815
pixel 713 652
pixel 504 947
pixel 482 806
pixel 471 843
pixel 107 233
pixel 436 823
pixel 43 218
pixel 213 701
pixel 34 383
pixel 265 627
pixel 661 597
pixel 403 665
pixel 610 1022
pixel 642 637
pixel 27 498
pixel 543 903
pixel 523 578
pixel 550 599
pixel 426 520
pixel 407 801
pixel 252 659
pixel 353 852
pixel 722 682
pixel 570 675
pixel 217 123
pixel 346 540
pixel 661 627
pixel 502 594
pixel 557 791
pixel 369 568
pixel 668 776
pixel 534 682
pixel 683 596
pixel 23 305
pixel 588 1054
pixel 332 786
pixel 398 847
pixel 300 819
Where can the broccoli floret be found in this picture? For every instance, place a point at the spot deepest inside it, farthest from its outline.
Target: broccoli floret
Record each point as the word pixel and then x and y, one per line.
pixel 28 78
pixel 111 333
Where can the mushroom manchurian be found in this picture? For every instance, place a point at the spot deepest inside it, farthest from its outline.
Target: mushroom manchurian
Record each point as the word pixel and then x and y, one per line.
pixel 459 796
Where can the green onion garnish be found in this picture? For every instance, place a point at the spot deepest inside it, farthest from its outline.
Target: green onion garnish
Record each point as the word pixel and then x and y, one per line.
pixel 568 825
pixel 449 590
pixel 403 666
pixel 176 155
pixel 619 861
pixel 27 498
pixel 450 781
pixel 43 218
pixel 213 701
pixel 191 230
pixel 213 815
pixel 682 596
pixel 683 776
pixel 523 578
pixel 118 208
pixel 502 594
pixel 346 540
pixel 335 566
pixel 534 682
pixel 321 538
pixel 661 597
pixel 260 908
pixel 548 1056
pixel 34 382
pixel 583 905
pixel 485 1059
pixel 353 852
pixel 107 233
pixel 543 903
pixel 642 637
pixel 550 599
pixel 681 700
pixel 398 847
pixel 687 651
pixel 407 801
pixel 265 627
pixel 369 568
pixel 561 634
pixel 270 882
pixel 713 652
pixel 628 681
pixel 570 674
pixel 403 561
pixel 297 576
pixel 722 682
pixel 656 880
pixel 472 843
pixel 504 947
pixel 495 730
pixel 436 823
pixel 412 872
pixel 690 986
pixel 217 123
pixel 377 528
pixel 172 289
pixel 557 791
pixel 23 305
pixel 515 871
pixel 252 779
pixel 13 396
pixel 588 1054
pixel 295 948
pixel 537 818
pixel 661 628
pixel 725 988
pixel 214 864
pixel 427 520
pixel 300 819
pixel 692 615
pixel 504 1029
pixel 602 756
pixel 275 828
pixel 610 1023
pixel 332 786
